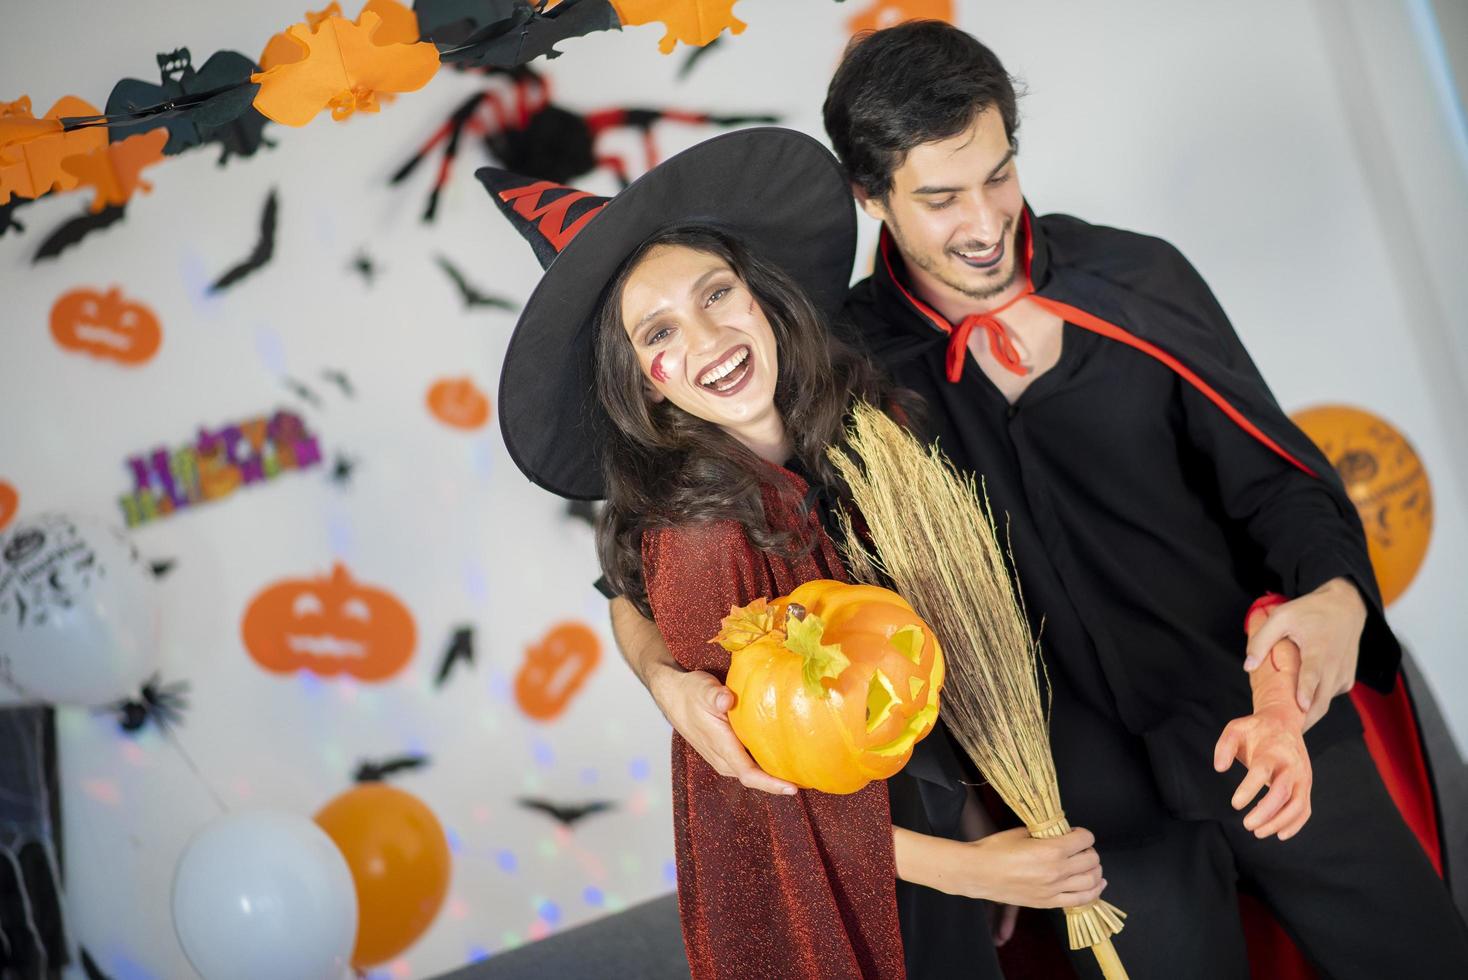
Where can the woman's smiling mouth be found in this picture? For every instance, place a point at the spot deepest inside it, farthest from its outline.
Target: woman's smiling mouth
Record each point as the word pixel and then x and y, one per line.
pixel 730 374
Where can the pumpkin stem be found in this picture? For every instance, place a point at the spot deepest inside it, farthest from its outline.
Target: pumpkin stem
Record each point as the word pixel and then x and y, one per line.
pixel 820 660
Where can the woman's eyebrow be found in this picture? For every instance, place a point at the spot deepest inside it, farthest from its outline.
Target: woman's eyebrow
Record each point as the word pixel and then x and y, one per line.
pixel 697 285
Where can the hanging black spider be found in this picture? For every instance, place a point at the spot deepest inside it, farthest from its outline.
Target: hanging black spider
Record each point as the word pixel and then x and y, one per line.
pixel 162 704
pixel 528 133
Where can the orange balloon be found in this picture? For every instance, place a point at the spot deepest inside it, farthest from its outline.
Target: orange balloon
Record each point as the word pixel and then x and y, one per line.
pixel 1387 483
pixel 400 864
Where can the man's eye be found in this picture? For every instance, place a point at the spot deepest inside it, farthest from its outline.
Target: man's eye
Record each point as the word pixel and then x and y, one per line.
pixel 939 205
pixel 717 295
pixel 1001 178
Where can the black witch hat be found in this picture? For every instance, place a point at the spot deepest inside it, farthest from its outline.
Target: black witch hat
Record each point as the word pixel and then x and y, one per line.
pixel 779 191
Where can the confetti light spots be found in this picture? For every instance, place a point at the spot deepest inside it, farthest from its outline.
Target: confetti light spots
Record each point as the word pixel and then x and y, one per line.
pixel 638 804
pixel 588 777
pixel 310 684
pixel 593 897
pixel 476 583
pixel 631 863
pixel 458 909
pixel 270 350
pixel 133 754
pixel 670 872
pixel 548 911
pixel 456 844
pixel 477 953
pixel 615 903
pixel 346 689
pixel 401 970
pixel 104 791
pixel 538 930
pixel 483 455
pixel 507 861
pixel 638 768
pixel 543 753
pixel 242 789
pixel 547 848
pixel 510 940
pixel 499 685
pixel 480 813
pixel 342 540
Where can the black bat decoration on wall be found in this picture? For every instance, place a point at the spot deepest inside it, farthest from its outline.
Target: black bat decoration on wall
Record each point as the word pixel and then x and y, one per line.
pixel 506 33
pixel 162 567
pixel 461 650
pixel 376 772
pixel 72 232
pixel 470 293
pixel 364 266
pixel 697 55
pixel 302 392
pixel 227 118
pixel 341 470
pixel 261 254
pixel 566 814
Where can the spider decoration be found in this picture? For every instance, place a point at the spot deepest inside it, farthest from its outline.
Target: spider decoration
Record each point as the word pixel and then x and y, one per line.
pixel 162 704
pixel 531 135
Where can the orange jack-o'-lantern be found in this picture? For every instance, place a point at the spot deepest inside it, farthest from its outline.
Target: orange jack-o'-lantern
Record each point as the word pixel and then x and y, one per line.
pixel 9 503
pixel 554 670
pixel 1385 480
pixel 835 683
pixel 457 402
pixel 329 625
pixel 105 325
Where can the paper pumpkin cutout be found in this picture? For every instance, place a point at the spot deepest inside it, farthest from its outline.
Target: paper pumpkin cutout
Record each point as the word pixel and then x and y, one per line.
pixel 105 325
pixel 340 64
pixel 882 14
pixel 32 150
pixel 457 402
pixel 203 122
pixel 9 503
pixel 833 684
pixel 329 626
pixel 115 171
pixel 554 670
pixel 695 22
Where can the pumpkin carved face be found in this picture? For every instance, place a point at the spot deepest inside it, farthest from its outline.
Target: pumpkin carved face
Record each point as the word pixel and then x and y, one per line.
pixel 834 683
pixel 105 325
pixel 457 402
pixel 554 670
pixel 330 625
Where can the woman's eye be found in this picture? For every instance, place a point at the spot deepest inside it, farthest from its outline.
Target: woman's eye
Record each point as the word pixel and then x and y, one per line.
pixel 659 335
pixel 717 295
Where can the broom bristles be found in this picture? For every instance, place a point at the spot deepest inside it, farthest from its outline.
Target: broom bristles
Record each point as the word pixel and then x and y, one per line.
pixel 934 539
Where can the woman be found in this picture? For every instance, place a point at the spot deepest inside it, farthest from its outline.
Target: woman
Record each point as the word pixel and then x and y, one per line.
pixel 676 360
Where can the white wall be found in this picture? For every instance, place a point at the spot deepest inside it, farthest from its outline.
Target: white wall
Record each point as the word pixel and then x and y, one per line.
pixel 1330 229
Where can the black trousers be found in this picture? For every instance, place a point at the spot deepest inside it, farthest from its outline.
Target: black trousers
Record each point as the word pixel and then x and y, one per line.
pixel 1354 888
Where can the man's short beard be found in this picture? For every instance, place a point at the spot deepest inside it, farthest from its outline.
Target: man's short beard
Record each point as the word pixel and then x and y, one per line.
pixel 932 269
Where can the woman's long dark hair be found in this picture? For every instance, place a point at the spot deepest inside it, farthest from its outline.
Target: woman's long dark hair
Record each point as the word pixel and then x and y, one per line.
pixel 665 467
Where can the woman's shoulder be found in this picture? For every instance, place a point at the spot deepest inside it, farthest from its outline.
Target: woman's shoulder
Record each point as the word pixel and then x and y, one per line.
pixel 691 539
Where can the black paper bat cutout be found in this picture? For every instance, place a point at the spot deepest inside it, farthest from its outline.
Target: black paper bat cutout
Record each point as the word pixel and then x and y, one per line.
pixel 162 567
pixel 221 93
pixel 566 814
pixel 461 649
pixel 364 266
pixel 470 293
pixel 582 510
pixel 72 232
pixel 340 379
pixel 341 470
pixel 7 214
pixel 162 704
pixel 90 967
pixel 302 392
pixel 697 55
pixel 506 33
pixel 376 772
pixel 261 254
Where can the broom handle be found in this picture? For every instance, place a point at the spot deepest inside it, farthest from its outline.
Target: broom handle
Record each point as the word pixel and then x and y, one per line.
pixel 1110 963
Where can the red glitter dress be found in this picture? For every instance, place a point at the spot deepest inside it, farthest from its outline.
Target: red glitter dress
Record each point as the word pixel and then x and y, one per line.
pixel 798 886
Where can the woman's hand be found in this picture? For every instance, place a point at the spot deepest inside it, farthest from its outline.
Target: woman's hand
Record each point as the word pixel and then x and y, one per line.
pixel 697 706
pixel 1013 868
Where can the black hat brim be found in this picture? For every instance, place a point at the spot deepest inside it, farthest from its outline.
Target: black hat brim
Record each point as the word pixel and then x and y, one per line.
pixel 779 191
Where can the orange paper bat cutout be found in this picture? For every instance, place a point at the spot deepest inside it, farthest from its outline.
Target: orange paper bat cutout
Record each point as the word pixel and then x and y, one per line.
pixel 32 150
pixel 342 65
pixel 115 171
pixel 695 22
pixel 399 26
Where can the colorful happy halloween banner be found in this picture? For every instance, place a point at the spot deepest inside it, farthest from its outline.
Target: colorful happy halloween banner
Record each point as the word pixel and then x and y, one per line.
pixel 216 465
pixel 324 62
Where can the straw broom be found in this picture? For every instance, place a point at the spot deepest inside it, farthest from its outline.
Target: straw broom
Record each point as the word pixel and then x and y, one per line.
pixel 935 541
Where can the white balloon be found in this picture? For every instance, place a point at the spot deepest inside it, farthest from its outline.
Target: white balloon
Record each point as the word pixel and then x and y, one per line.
pixel 79 612
pixel 261 893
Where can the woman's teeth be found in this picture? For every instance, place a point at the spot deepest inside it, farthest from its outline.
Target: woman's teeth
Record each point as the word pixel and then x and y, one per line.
pixel 718 372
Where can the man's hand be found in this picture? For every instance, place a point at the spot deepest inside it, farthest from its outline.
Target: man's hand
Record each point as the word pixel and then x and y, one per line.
pixel 1271 744
pixel 1326 625
pixel 697 705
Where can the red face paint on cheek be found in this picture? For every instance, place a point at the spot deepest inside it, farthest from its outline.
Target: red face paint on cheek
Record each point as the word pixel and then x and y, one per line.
pixel 658 374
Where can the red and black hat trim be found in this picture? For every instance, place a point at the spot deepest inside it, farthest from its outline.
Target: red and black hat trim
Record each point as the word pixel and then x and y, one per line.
pixel 548 214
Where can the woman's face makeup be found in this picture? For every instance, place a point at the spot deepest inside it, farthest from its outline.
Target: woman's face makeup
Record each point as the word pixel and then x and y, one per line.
pixel 702 341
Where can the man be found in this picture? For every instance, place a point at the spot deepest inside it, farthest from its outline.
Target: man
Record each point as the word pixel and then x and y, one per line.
pixel 1154 491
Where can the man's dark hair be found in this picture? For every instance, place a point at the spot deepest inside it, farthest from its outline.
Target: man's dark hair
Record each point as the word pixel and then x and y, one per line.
pixel 914 83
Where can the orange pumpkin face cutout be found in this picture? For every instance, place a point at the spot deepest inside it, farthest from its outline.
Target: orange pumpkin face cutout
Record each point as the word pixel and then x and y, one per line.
pixel 554 670
pixel 330 625
pixel 9 503
pixel 834 684
pixel 883 14
pixel 1385 480
pixel 105 325
pixel 458 403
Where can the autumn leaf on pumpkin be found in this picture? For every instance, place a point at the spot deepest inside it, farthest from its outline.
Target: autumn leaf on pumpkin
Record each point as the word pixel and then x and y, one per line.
pixel 803 637
pixel 341 65
pixel 745 625
pixel 32 150
pixel 115 171
pixel 695 22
